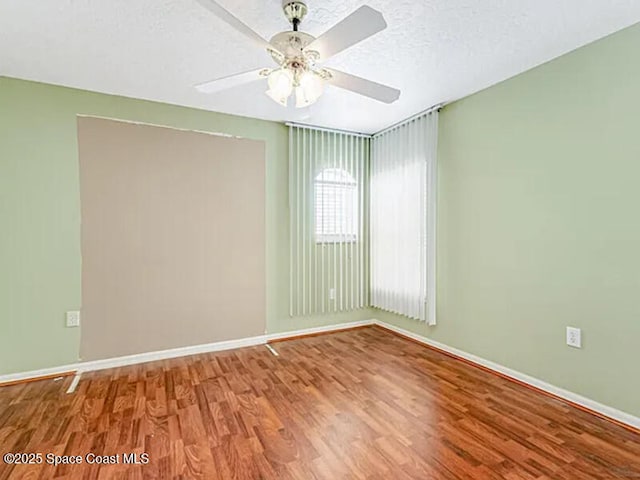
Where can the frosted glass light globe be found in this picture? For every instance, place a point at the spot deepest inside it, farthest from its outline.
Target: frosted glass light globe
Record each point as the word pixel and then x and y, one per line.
pixel 310 89
pixel 281 83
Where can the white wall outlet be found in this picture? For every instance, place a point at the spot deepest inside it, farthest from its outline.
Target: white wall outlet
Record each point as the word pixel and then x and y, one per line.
pixel 574 337
pixel 332 294
pixel 73 319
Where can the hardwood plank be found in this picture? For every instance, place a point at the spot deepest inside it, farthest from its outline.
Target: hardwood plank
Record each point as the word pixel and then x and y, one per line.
pixel 357 404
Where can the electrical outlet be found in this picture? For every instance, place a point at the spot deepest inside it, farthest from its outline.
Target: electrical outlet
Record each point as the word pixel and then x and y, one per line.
pixel 574 337
pixel 332 294
pixel 73 319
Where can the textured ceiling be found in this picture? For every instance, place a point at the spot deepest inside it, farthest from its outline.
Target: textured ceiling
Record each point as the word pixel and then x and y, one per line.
pixel 433 50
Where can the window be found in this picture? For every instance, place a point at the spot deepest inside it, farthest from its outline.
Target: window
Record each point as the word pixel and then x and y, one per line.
pixel 402 209
pixel 336 206
pixel 328 221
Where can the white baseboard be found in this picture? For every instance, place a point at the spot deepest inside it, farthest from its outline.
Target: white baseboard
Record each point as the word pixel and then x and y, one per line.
pixel 325 329
pixel 40 373
pixel 571 397
pixel 93 365
pixel 172 353
pixel 561 393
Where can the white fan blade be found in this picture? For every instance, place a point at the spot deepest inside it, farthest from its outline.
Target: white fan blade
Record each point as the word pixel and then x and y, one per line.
pixel 362 86
pixel 226 16
pixel 229 82
pixel 358 26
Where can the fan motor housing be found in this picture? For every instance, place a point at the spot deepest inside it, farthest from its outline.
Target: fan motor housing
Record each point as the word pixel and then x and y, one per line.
pixel 295 11
pixel 291 44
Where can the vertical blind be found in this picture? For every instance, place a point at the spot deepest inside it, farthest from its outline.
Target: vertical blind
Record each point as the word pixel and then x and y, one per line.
pixel 403 218
pixel 328 191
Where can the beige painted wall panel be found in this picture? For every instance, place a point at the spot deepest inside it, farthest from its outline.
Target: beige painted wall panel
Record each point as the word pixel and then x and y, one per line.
pixel 173 238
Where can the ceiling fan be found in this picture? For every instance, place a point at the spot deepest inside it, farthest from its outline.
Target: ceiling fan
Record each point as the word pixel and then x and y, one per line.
pixel 297 55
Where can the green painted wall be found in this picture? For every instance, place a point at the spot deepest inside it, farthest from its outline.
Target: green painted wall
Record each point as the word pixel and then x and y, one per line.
pixel 539 222
pixel 40 214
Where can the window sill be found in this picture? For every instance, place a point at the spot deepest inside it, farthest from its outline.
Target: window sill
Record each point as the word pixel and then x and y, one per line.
pixel 329 239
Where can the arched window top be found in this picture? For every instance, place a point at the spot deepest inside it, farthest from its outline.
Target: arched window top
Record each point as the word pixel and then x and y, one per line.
pixel 335 175
pixel 336 206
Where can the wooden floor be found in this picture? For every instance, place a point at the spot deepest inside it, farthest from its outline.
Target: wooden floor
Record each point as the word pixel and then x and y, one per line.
pixel 351 405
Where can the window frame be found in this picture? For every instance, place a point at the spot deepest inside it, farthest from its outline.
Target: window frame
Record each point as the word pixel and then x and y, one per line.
pixel 352 184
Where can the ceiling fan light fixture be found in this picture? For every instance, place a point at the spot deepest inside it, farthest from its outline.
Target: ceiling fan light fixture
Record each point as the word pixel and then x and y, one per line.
pixel 309 90
pixel 306 84
pixel 281 82
pixel 312 85
pixel 302 100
